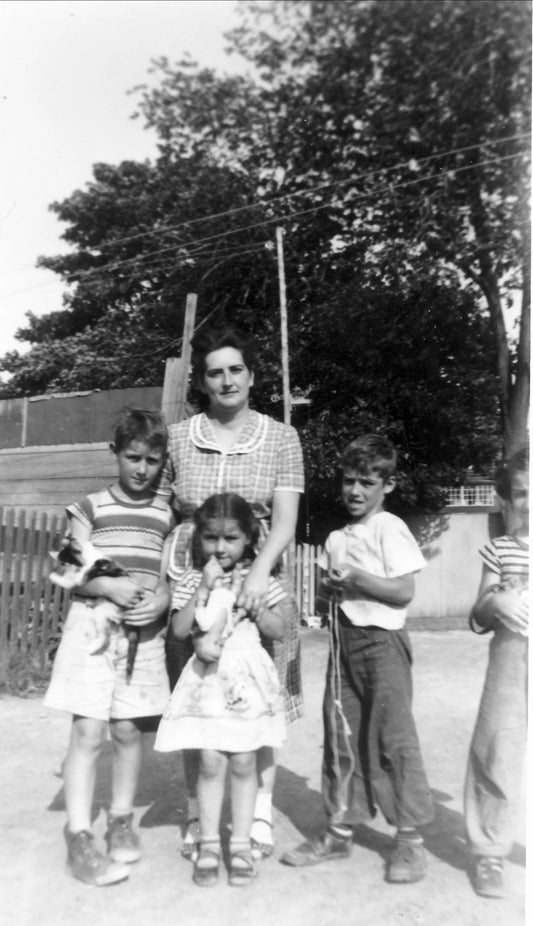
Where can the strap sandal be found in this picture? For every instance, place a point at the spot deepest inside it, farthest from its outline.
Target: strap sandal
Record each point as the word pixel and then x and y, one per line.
pixel 206 867
pixel 190 846
pixel 241 870
pixel 261 849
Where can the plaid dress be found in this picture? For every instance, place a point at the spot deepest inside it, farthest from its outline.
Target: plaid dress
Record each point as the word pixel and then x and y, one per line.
pixel 266 457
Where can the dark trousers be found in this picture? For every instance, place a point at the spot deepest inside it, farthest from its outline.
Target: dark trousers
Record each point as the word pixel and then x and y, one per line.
pixel 372 755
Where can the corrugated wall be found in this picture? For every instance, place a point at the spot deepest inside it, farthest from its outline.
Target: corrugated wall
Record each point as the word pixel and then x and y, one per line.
pixel 54 449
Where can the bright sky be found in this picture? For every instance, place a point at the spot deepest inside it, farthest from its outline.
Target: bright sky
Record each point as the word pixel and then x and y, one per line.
pixel 66 67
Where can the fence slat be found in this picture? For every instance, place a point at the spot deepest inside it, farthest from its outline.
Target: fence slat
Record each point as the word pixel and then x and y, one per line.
pixel 28 582
pixel 47 594
pixel 7 562
pixel 17 588
pixel 39 584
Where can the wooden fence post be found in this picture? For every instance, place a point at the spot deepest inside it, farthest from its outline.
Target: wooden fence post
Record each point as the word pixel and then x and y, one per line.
pixel 177 370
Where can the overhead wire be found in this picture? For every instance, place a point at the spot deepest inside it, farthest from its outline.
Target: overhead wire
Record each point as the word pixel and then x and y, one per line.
pixel 82 276
pixel 310 190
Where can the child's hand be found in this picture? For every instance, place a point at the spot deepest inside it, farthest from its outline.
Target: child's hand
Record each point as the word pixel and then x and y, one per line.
pixel 122 590
pixel 148 608
pixel 512 610
pixel 342 578
pixel 212 574
pixel 208 647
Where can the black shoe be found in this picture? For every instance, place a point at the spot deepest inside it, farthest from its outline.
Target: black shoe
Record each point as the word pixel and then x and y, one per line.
pixel 487 876
pixel 319 849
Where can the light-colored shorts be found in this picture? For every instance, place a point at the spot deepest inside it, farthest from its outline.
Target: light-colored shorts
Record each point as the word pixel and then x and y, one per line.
pixel 95 685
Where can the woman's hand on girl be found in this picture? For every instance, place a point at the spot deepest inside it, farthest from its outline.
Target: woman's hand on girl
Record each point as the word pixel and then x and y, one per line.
pixel 254 589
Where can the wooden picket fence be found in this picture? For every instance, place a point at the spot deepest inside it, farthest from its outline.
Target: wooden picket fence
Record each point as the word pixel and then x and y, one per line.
pixel 32 609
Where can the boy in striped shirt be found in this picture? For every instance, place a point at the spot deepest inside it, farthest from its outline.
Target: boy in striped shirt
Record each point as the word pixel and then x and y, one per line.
pixel 129 524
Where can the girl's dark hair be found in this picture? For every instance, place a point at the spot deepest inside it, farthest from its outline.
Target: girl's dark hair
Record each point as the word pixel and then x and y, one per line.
pixel 141 424
pixel 517 463
pixel 230 506
pixel 371 453
pixel 207 340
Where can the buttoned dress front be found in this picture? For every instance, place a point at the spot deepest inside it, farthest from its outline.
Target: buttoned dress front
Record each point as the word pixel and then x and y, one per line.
pixel 265 458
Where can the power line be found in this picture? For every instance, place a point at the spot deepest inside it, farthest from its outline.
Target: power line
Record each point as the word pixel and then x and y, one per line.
pixel 310 190
pixel 84 275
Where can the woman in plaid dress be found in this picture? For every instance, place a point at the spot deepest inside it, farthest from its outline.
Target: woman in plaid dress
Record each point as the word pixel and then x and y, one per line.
pixel 232 448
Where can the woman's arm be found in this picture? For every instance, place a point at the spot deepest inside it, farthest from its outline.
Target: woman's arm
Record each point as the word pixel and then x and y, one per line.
pixel 271 623
pixel 283 527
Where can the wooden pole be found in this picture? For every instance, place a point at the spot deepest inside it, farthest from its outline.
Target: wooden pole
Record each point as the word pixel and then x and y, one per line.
pixel 188 329
pixel 284 332
pixel 177 370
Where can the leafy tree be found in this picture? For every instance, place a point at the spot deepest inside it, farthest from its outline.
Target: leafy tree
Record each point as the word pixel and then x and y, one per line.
pixel 389 140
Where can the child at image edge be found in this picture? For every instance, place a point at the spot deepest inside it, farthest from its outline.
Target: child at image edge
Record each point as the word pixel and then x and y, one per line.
pixel 493 789
pixel 371 751
pixel 131 526
pixel 228 701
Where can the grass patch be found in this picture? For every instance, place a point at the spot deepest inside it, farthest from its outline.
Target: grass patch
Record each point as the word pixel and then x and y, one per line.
pixel 22 674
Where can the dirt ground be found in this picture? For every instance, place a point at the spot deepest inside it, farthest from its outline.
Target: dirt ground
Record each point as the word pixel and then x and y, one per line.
pixel 36 889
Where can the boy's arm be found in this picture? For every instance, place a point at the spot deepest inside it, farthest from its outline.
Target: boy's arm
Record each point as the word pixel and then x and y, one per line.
pixel 154 603
pixel 122 590
pixel 394 590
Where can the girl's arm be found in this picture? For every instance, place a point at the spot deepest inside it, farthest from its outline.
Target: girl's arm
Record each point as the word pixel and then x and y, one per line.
pixel 282 529
pixel 395 590
pixel 497 603
pixel 183 619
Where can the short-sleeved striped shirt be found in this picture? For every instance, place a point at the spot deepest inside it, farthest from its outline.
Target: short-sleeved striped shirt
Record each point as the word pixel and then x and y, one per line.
pixel 191 578
pixel 131 533
pixel 509 559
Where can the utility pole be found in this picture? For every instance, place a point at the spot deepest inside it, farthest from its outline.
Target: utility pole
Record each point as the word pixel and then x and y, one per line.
pixel 284 331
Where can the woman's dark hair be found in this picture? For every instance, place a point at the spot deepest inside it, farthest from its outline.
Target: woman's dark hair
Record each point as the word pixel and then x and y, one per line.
pixel 142 424
pixel 230 506
pixel 517 463
pixel 207 340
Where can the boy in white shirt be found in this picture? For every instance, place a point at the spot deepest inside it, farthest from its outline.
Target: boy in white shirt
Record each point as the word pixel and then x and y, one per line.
pixel 372 756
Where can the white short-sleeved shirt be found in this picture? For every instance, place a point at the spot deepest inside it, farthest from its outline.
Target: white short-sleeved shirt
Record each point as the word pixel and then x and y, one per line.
pixel 383 546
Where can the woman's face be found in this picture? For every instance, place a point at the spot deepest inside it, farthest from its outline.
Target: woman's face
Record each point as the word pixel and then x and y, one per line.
pixel 227 380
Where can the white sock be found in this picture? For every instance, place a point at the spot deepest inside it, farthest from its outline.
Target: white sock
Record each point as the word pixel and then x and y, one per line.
pixel 263 807
pixel 192 809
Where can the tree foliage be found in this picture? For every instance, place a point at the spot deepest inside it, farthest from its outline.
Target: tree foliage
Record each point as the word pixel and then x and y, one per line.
pixel 389 138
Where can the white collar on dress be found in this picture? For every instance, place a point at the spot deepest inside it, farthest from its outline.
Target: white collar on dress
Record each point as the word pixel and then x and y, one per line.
pixel 251 437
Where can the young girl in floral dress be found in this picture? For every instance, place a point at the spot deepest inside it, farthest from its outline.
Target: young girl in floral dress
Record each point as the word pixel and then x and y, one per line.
pixel 228 702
